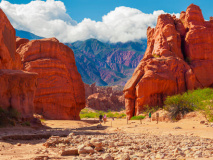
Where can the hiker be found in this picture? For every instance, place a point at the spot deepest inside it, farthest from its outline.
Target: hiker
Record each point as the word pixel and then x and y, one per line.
pixel 105 118
pixel 100 118
pixel 157 117
pixel 150 115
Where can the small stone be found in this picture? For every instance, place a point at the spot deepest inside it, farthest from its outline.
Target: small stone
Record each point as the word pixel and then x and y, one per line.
pixel 70 151
pixel 96 142
pixel 125 156
pixel 160 156
pixel 71 134
pixel 82 149
pixel 107 156
pixel 202 122
pixel 41 158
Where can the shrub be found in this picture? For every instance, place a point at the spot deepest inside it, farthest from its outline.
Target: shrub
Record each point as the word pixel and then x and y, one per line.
pixel 137 117
pixel 26 123
pixel 181 104
pixel 156 56
pixel 8 116
pixel 148 109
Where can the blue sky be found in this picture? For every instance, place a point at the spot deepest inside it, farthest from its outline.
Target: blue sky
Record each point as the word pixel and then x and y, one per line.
pixel 106 20
pixel 95 9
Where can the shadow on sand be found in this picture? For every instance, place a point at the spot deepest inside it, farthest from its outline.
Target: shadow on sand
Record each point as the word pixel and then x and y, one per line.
pixel 40 134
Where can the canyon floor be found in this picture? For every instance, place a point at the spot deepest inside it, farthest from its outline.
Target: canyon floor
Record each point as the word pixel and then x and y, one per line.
pixel 185 139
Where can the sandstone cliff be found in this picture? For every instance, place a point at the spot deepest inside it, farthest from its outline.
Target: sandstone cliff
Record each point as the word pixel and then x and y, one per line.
pixel 17 87
pixel 18 91
pixel 178 58
pixel 20 41
pixel 104 98
pixel 60 93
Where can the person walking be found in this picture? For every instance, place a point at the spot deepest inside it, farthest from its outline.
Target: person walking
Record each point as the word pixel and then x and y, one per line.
pixel 100 118
pixel 105 118
pixel 150 116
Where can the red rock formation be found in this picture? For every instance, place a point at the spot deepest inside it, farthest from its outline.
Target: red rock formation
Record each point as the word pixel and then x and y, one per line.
pixel 17 87
pixel 18 91
pixel 60 93
pixel 9 59
pixel 163 70
pixel 104 98
pixel 20 41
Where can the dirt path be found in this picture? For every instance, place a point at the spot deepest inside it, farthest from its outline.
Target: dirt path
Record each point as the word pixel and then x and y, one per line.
pixel 21 149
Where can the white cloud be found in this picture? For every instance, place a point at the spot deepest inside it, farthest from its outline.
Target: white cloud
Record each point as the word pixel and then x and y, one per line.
pixel 49 19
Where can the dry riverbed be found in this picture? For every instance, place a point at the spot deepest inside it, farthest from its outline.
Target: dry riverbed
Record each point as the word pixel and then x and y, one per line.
pixel 185 139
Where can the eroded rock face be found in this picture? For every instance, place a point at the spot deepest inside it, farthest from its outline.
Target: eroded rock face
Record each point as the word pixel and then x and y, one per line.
pixel 20 41
pixel 17 88
pixel 18 91
pixel 178 58
pixel 9 59
pixel 60 93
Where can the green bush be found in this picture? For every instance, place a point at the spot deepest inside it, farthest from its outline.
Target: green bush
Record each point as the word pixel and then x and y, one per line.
pixel 85 113
pixel 137 117
pixel 8 116
pixel 156 56
pixel 200 99
pixel 26 123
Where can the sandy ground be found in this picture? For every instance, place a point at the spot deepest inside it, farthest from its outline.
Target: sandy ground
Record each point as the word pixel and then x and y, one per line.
pixel 21 149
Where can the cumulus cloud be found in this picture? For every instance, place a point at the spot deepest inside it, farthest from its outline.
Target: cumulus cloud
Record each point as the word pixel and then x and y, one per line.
pixel 49 19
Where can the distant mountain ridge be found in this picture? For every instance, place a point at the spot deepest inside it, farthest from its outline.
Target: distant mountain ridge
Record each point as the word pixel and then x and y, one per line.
pixel 106 64
pixel 27 35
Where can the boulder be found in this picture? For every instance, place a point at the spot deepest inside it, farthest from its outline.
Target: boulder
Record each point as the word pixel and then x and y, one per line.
pixel 178 58
pixel 60 93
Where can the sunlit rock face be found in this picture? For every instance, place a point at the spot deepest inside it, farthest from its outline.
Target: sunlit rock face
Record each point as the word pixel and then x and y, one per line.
pixel 178 58
pixel 60 92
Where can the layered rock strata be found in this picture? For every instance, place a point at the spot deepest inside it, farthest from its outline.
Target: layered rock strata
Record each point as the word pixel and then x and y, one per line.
pixel 60 93
pixel 20 41
pixel 17 87
pixel 178 58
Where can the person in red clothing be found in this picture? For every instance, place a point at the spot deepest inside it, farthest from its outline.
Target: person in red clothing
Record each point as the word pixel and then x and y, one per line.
pixel 105 118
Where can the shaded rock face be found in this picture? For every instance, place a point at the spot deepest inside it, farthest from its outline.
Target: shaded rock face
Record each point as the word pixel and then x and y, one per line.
pixel 17 89
pixel 178 58
pixel 60 93
pixel 104 98
pixel 9 59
